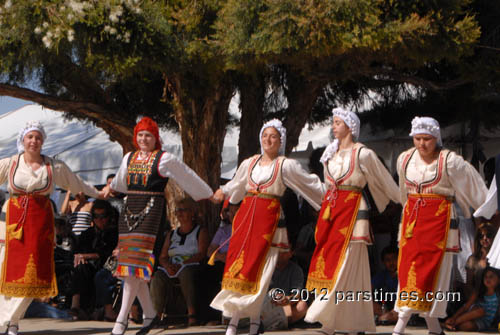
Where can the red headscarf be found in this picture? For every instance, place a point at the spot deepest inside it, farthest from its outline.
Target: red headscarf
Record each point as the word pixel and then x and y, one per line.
pixel 148 124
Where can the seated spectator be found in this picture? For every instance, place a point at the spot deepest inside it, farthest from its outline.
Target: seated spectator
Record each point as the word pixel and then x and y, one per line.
pixel 480 310
pixel 477 262
pixel 78 211
pixel 384 283
pixel 63 259
pixel 94 246
pixel 280 312
pixel 181 254
pixel 212 273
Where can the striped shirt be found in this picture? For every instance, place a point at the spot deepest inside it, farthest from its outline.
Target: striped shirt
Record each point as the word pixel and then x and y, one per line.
pixel 80 222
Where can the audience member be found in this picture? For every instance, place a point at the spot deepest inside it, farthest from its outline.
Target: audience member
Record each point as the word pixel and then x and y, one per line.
pixel 481 308
pixel 286 306
pixel 385 284
pixel 182 252
pixel 93 248
pixel 78 211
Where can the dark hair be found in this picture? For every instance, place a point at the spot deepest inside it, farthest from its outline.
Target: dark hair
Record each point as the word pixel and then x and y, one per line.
pixel 389 250
pixel 112 175
pixel 491 231
pixel 102 204
pixel 482 288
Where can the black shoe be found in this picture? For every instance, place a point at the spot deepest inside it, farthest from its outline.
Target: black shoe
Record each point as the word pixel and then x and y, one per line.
pixel 155 322
pixel 124 330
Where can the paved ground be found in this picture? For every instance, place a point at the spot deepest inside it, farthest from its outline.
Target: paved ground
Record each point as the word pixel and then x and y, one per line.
pixel 58 327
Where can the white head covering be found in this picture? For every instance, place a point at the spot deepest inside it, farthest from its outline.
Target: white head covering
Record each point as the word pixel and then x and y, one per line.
pixel 276 124
pixel 30 126
pixel 426 125
pixel 352 121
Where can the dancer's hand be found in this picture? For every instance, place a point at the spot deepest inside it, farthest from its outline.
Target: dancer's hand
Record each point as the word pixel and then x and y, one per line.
pixel 218 196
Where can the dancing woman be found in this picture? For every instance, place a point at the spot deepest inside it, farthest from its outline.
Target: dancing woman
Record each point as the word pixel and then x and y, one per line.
pixel 430 179
pixel 28 270
pixel 340 260
pixel 143 176
pixel 257 236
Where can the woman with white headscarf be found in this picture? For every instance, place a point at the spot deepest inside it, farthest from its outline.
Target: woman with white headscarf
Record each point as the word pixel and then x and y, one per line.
pixel 430 179
pixel 28 269
pixel 340 260
pixel 257 237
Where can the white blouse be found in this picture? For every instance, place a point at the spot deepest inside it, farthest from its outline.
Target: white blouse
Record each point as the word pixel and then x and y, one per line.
pixel 382 186
pixel 465 183
pixel 29 181
pixel 309 186
pixel 171 167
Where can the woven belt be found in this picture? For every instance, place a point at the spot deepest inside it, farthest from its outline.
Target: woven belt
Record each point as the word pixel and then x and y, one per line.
pixel 261 195
pixel 146 193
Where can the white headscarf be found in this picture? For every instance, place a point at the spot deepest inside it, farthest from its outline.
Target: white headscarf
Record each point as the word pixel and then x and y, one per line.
pixel 276 124
pixel 426 125
pixel 30 126
pixel 352 121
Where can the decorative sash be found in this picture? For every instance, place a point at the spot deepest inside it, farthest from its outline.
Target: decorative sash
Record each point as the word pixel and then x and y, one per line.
pixel 253 230
pixel 425 225
pixel 28 269
pixel 333 232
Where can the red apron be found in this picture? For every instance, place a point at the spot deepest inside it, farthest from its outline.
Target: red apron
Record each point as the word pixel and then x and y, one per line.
pixel 425 225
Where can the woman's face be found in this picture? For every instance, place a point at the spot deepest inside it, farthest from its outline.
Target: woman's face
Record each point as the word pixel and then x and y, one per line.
pixel 184 215
pixel 271 141
pixel 426 144
pixel 146 141
pixel 485 240
pixel 340 128
pixel 32 142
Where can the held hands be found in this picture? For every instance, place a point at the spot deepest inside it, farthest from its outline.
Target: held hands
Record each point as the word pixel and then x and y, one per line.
pixel 105 192
pixel 218 197
pixel 79 259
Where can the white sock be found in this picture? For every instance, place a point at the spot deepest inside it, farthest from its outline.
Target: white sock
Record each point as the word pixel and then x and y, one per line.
pixel 130 288
pixel 232 327
pixel 12 329
pixel 147 304
pixel 401 325
pixel 433 325
pixel 254 325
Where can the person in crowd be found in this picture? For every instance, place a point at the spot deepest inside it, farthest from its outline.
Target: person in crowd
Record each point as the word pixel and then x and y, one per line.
pixel 28 269
pixel 253 249
pixel 430 179
pixel 94 246
pixel 477 262
pixel 306 242
pixel 78 211
pixel 481 308
pixel 182 252
pixel 340 260
pixel 143 175
pixel 284 307
pixel 385 284
pixel 212 274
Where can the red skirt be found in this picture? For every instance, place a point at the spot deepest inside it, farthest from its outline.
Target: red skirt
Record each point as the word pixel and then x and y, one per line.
pixel 425 225
pixel 253 230
pixel 28 269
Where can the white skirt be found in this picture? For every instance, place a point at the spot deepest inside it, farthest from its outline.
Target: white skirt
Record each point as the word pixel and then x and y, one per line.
pixel 249 305
pixel 438 308
pixel 351 315
pixel 494 253
pixel 11 308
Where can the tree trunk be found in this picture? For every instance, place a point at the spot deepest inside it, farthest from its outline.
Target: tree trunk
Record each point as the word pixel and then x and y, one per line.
pixel 301 94
pixel 252 97
pixel 201 112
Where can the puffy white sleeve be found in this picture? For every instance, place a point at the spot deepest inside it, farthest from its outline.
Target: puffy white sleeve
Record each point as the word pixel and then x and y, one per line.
pixel 308 185
pixel 236 187
pixel 490 206
pixel 403 192
pixel 380 182
pixel 4 169
pixel 170 166
pixel 470 190
pixel 119 182
pixel 65 178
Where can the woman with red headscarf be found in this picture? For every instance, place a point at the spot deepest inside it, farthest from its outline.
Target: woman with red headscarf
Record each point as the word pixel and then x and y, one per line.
pixel 143 176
